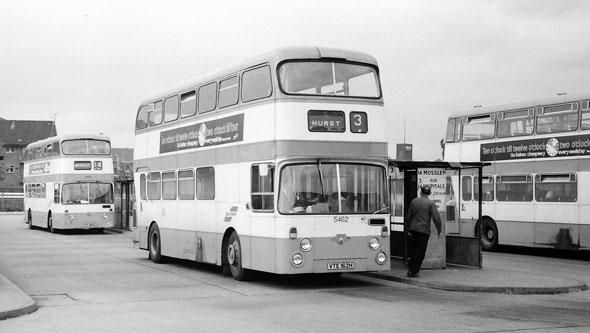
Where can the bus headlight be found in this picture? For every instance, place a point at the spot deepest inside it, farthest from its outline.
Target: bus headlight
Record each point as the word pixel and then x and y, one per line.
pixel 381 258
pixel 374 243
pixel 297 259
pixel 107 218
pixel 305 244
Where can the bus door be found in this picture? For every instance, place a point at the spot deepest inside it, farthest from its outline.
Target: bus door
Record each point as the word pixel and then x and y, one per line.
pixel 468 206
pixel 451 216
pixel 396 217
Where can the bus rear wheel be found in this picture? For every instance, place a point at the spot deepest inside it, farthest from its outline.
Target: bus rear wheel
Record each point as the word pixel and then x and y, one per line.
pixel 30 219
pixel 235 258
pixel 489 235
pixel 155 244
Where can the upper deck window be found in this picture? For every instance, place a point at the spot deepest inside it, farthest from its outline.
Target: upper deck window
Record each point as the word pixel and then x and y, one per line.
pixel 328 78
pixel 516 123
pixel 453 130
pixel 207 97
pixel 256 84
pixel 142 116
pixel 228 92
pixel 479 127
pixel 188 104
pixel 155 116
pixel 586 115
pixel 557 118
pixel 171 108
pixel 86 147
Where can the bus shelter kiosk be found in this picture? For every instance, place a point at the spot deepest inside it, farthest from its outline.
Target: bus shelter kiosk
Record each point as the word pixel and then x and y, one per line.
pixel 461 242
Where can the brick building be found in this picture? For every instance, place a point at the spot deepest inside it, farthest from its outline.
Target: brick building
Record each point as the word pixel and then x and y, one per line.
pixel 15 135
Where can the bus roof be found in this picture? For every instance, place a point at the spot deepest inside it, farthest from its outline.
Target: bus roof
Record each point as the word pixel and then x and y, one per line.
pixel 68 137
pixel 273 57
pixel 519 105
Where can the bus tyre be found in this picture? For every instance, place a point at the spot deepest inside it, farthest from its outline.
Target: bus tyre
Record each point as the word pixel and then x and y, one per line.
pixel 30 219
pixel 234 258
pixel 155 244
pixel 50 224
pixel 489 235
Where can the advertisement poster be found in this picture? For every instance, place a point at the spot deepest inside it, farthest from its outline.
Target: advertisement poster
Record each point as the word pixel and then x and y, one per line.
pixel 559 146
pixel 205 134
pixel 436 179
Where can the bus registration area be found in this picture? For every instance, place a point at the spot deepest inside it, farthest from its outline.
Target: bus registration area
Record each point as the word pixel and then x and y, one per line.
pixel 460 245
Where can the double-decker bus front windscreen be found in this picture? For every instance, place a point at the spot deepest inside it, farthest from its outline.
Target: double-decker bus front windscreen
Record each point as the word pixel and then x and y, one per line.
pixel 332 188
pixel 87 193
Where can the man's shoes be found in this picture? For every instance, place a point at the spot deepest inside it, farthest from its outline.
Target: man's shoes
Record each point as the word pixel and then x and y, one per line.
pixel 413 275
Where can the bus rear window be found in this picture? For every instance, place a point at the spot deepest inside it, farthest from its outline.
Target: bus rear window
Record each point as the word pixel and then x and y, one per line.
pixel 329 79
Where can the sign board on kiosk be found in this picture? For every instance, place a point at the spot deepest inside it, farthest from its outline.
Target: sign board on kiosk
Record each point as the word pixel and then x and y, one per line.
pixel 435 178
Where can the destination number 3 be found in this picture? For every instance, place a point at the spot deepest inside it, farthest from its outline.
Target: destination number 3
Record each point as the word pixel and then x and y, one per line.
pixel 358 122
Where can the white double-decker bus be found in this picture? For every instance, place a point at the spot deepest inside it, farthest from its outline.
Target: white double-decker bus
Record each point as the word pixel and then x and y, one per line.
pixel 535 191
pixel 68 183
pixel 275 164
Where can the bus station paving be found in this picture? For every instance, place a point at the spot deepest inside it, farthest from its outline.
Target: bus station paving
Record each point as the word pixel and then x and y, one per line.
pixel 497 276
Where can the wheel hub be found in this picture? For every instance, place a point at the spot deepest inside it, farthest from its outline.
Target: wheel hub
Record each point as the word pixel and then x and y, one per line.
pixel 232 254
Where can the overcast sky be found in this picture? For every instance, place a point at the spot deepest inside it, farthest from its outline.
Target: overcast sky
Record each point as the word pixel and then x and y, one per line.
pixel 90 63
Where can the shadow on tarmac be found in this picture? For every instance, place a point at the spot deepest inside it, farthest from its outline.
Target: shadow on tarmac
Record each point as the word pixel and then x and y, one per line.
pixel 545 252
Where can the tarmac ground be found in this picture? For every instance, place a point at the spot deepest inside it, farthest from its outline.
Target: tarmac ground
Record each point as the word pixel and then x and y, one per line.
pixel 499 275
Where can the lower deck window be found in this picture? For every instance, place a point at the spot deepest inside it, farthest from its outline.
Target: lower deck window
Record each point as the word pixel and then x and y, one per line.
pixel 514 188
pixel 262 187
pixel 556 187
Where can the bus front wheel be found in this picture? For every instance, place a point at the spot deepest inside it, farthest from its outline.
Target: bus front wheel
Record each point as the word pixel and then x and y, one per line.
pixel 155 244
pixel 50 224
pixel 235 258
pixel 489 235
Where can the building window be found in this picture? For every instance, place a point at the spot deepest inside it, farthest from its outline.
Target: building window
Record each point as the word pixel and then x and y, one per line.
pixel 9 149
pixel 10 169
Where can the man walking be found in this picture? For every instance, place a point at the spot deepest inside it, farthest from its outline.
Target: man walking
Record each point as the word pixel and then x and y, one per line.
pixel 422 210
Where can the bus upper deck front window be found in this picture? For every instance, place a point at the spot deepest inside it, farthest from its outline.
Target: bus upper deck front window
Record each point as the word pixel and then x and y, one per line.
pixel 86 147
pixel 329 79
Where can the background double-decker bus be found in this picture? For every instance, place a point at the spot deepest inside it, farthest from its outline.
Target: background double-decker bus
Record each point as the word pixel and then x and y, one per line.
pixel 68 183
pixel 535 192
pixel 275 164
